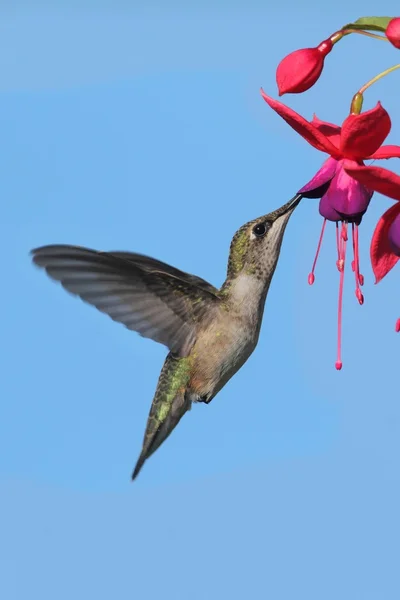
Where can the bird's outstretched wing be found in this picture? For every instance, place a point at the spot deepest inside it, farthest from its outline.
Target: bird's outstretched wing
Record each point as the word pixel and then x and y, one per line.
pixel 146 295
pixel 152 264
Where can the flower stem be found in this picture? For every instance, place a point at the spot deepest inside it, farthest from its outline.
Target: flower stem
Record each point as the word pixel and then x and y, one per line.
pixel 337 36
pixel 357 100
pixel 377 78
pixel 383 38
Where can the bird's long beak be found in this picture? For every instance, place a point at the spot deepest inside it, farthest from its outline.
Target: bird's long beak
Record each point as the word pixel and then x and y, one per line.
pixel 289 207
pixel 280 217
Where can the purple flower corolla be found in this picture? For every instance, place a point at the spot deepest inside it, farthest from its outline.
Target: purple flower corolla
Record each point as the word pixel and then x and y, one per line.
pixel 394 235
pixel 342 197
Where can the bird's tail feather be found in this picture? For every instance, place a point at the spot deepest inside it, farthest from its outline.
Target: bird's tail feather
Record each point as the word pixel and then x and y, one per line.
pixel 157 433
pixel 170 403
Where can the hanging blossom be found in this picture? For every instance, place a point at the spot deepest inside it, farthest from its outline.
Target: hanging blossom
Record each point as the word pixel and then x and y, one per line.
pixel 385 243
pixel 344 184
pixel 298 71
pixel 393 32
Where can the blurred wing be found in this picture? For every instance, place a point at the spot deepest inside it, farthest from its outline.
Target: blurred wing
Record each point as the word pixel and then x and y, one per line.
pixel 155 303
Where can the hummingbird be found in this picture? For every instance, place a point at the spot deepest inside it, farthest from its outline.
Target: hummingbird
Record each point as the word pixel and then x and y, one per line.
pixel 210 333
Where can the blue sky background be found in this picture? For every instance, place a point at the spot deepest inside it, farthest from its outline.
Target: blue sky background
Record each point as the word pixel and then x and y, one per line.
pixel 143 129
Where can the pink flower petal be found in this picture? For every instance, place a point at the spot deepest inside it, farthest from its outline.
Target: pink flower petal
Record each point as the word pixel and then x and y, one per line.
pixel 325 174
pixel 380 180
pixel 383 258
pixel 363 134
pixel 386 152
pixel 310 133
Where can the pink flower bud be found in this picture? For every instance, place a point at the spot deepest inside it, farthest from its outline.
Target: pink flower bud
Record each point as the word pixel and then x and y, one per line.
pixel 300 69
pixel 393 32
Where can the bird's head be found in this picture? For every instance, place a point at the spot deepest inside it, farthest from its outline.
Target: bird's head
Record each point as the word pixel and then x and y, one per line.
pixel 255 247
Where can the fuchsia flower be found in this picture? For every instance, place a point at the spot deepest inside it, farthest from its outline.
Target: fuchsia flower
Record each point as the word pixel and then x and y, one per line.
pixel 344 184
pixel 385 243
pixel 299 70
pixel 393 32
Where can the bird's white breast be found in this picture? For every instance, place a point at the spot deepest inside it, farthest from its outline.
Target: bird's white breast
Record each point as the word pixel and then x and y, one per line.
pixel 232 336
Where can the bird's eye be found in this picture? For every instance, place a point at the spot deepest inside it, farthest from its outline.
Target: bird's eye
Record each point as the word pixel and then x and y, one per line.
pixel 260 229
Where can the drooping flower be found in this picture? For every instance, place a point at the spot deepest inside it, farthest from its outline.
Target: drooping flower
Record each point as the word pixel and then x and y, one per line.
pixel 344 198
pixel 393 32
pixel 385 244
pixel 299 70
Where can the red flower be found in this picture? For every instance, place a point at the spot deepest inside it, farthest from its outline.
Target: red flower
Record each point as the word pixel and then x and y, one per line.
pixel 385 245
pixel 343 183
pixel 393 32
pixel 300 69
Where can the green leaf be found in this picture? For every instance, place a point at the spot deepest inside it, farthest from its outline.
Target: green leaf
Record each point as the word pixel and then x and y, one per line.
pixel 370 23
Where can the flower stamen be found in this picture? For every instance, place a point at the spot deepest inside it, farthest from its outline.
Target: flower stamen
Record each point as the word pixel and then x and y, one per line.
pixel 338 247
pixel 337 239
pixel 356 262
pixel 311 276
pixel 342 242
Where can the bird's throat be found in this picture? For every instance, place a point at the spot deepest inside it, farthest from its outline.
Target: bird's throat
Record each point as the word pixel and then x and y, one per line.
pixel 246 294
